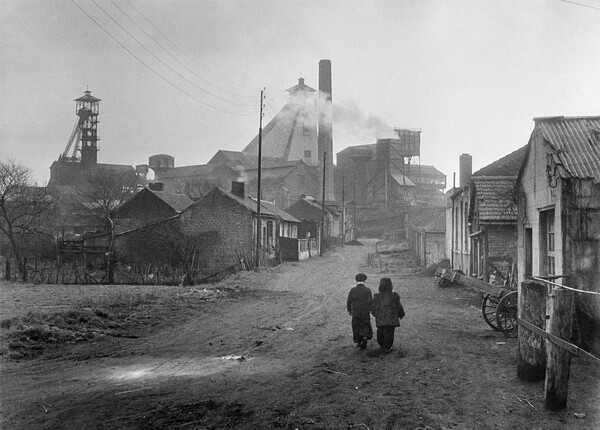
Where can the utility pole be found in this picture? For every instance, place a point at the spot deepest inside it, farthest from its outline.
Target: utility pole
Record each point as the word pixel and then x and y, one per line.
pixel 258 221
pixel 355 222
pixel 343 211
pixel 323 204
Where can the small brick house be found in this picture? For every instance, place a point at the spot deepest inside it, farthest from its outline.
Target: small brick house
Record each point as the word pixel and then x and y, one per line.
pixel 231 218
pixel 481 219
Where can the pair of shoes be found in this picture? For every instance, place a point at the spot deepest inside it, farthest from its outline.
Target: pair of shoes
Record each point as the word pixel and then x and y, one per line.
pixel 363 343
pixel 390 349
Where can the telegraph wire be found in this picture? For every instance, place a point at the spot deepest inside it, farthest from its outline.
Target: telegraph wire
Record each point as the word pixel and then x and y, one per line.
pixel 186 55
pixel 152 70
pixel 165 64
pixel 173 57
pixel 580 4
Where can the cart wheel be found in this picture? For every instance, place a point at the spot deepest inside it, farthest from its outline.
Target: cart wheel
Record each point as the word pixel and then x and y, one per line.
pixel 506 314
pixel 488 309
pixel 443 282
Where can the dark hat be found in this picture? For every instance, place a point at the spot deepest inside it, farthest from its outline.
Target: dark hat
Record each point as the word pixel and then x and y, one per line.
pixel 360 277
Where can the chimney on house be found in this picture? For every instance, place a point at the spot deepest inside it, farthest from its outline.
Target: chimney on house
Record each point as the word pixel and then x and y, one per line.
pixel 465 169
pixel 238 188
pixel 325 138
pixel 156 186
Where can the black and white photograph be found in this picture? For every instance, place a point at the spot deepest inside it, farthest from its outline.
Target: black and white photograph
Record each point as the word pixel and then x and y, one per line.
pixel 300 214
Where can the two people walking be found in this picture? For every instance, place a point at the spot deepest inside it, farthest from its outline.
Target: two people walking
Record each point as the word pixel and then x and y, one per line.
pixel 385 307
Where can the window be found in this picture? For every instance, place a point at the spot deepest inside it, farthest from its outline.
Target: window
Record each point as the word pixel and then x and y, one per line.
pixel 547 243
pixel 550 240
pixel 307 154
pixel 528 253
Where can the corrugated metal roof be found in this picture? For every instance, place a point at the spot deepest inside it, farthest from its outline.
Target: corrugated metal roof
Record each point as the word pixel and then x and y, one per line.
pixel 494 198
pixel 576 142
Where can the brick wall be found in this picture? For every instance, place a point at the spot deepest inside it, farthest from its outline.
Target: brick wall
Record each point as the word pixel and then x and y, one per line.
pixel 231 226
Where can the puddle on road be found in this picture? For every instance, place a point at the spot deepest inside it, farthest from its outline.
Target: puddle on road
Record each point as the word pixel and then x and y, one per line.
pixel 176 368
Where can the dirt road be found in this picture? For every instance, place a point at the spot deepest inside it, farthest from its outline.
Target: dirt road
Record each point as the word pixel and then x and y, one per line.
pixel 275 351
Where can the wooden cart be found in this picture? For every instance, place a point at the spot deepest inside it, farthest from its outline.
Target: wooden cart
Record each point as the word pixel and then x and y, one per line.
pixel 499 302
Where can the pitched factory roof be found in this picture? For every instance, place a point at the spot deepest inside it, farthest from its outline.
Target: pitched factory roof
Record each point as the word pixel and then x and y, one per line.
pixel 292 133
pixel 576 145
pixel 494 198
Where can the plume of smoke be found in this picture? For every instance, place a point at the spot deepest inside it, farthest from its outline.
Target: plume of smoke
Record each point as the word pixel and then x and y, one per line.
pixel 352 125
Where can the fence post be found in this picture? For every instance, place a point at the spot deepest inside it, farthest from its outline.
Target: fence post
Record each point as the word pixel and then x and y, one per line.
pixel 8 277
pixel 560 309
pixel 531 352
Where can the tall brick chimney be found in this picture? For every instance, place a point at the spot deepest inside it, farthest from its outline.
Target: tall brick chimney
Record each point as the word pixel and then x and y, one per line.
pixel 325 139
pixel 238 189
pixel 465 169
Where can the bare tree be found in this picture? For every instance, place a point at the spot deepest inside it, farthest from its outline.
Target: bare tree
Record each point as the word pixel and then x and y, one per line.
pixel 99 194
pixel 102 191
pixel 21 204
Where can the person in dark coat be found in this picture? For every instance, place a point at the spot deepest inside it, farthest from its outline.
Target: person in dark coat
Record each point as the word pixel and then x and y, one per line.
pixel 388 311
pixel 359 305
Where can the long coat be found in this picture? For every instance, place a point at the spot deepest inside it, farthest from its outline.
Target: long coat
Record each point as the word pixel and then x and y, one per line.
pixel 359 301
pixel 387 309
pixel 359 304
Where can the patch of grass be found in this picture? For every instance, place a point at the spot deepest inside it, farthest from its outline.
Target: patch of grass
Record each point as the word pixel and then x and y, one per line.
pixel 29 335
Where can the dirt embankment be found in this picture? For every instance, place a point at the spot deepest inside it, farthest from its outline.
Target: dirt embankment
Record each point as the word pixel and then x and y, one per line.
pixel 273 349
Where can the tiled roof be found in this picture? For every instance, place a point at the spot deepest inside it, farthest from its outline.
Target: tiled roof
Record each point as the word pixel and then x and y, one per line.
pixel 247 202
pixel 177 201
pixel 576 144
pixel 508 165
pixel 284 215
pixel 494 198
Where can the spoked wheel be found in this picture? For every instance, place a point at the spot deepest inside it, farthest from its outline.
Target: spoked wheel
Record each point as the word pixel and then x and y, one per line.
pixel 506 314
pixel 443 282
pixel 488 309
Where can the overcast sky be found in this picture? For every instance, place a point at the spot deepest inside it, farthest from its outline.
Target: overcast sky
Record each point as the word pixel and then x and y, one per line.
pixel 471 74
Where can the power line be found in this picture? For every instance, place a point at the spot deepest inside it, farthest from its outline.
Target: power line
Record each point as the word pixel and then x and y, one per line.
pixel 173 57
pixel 580 4
pixel 165 64
pixel 152 70
pixel 186 55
